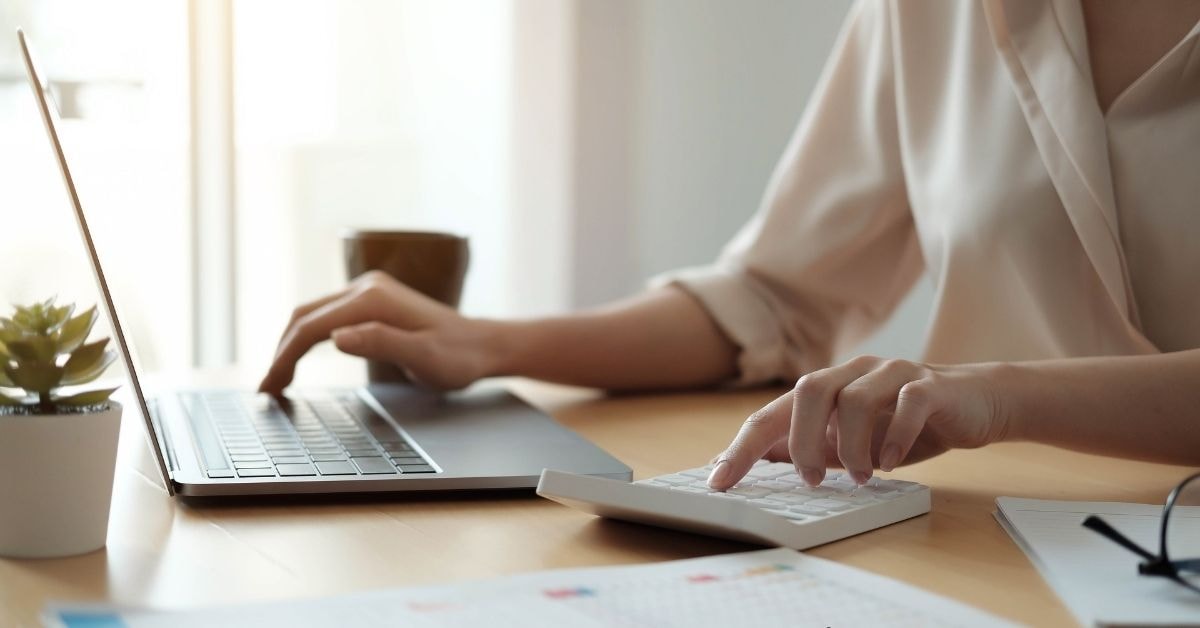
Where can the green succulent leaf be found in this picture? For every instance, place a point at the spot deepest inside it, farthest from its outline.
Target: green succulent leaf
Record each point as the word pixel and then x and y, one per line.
pixel 89 398
pixel 6 400
pixel 56 316
pixel 13 328
pixel 25 318
pixel 35 376
pixel 6 381
pixel 34 349
pixel 85 358
pixel 4 354
pixel 74 331
pixel 71 378
pixel 9 331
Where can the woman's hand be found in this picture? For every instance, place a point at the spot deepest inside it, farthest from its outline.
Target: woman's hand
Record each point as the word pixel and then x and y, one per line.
pixel 870 412
pixel 379 318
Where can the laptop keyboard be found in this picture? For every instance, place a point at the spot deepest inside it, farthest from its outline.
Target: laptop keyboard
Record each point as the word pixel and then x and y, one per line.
pixel 242 435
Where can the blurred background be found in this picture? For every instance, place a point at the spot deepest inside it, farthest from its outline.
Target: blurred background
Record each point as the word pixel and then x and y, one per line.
pixel 221 146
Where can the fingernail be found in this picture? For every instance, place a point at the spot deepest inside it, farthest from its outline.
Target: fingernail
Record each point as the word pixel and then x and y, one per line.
pixel 812 476
pixel 719 475
pixel 347 339
pixel 860 478
pixel 889 457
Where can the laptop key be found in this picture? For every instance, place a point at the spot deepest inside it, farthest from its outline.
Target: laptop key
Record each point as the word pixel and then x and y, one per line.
pixel 295 469
pixel 252 464
pixel 220 473
pixel 417 468
pixel 285 451
pixel 247 457
pixel 377 425
pixel 339 467
pixel 280 440
pixel 362 451
pixel 291 459
pixel 327 457
pixel 374 465
pixel 256 473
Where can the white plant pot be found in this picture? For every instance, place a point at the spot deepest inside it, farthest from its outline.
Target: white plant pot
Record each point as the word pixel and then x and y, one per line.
pixel 56 480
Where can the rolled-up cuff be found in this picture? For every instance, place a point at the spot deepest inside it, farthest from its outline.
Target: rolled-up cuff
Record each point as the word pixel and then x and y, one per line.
pixel 742 312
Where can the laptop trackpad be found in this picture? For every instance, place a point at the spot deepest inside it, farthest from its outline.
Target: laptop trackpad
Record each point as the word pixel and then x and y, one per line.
pixel 490 432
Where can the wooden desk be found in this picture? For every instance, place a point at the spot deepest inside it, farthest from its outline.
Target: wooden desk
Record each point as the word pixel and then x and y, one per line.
pixel 164 553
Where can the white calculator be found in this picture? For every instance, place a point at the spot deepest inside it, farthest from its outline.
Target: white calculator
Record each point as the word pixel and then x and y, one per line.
pixel 770 506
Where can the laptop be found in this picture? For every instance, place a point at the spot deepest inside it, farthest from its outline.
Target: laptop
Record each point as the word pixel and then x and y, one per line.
pixel 381 438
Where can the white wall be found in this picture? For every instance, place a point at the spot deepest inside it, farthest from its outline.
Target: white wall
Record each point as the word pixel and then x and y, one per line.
pixel 680 109
pixel 721 87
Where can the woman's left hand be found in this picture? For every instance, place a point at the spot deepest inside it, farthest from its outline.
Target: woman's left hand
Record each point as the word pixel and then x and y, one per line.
pixel 870 412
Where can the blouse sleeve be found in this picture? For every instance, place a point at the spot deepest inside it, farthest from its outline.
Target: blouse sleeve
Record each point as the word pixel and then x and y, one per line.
pixel 832 249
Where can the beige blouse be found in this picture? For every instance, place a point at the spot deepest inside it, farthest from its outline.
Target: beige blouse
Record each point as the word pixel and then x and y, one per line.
pixel 964 139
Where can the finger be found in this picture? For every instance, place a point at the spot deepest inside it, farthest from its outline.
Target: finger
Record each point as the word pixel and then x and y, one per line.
pixel 914 405
pixel 860 405
pixel 778 452
pixel 758 433
pixel 307 308
pixel 814 399
pixel 356 307
pixel 831 439
pixel 378 341
pixel 369 279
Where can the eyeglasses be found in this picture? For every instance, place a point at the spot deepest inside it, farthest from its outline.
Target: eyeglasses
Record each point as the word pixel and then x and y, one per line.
pixel 1179 531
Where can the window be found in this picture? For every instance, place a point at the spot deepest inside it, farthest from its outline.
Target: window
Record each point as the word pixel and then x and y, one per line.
pixel 377 113
pixel 121 88
pixel 365 114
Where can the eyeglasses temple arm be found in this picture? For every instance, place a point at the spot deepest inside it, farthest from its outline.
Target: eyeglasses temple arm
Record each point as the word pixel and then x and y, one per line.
pixel 1101 526
pixel 1190 564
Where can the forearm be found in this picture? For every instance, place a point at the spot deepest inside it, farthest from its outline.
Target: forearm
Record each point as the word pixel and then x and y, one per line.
pixel 1144 407
pixel 660 339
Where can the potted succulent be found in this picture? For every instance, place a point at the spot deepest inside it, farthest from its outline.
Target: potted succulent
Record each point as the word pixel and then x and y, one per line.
pixel 58 439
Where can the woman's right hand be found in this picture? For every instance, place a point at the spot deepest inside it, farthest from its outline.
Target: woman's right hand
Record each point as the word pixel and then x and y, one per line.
pixel 379 318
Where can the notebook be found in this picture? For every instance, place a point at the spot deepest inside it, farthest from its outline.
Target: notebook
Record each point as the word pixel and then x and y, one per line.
pixel 1097 579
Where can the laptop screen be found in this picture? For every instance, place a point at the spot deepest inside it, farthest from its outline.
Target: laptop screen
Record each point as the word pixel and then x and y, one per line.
pixel 49 113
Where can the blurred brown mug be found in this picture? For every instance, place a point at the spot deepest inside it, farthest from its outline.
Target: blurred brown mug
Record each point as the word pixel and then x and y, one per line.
pixel 434 264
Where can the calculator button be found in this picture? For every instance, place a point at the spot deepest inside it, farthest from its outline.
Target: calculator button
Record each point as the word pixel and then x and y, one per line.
pixel 790 514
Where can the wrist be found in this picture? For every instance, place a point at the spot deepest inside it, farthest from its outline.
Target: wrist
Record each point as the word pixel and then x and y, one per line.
pixel 500 343
pixel 1010 383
